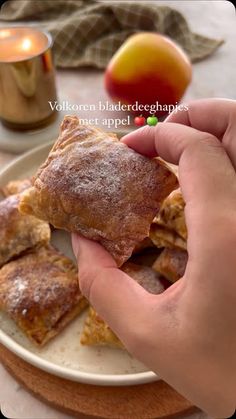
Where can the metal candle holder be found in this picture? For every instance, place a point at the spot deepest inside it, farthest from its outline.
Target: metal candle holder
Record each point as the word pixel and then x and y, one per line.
pixel 27 78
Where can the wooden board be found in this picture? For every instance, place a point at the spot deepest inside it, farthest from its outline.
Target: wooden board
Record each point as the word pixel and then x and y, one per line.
pixel 146 401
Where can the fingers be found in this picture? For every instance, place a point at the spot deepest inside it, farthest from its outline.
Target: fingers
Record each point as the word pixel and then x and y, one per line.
pixel 211 115
pixel 109 290
pixel 216 116
pixel 166 140
pixel 151 327
pixel 206 174
pixel 142 140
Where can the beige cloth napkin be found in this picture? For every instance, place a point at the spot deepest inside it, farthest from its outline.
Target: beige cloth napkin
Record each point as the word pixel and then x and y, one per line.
pixel 88 32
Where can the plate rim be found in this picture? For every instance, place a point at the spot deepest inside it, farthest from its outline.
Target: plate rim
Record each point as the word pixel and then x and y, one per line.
pixel 56 369
pixel 24 156
pixel 73 374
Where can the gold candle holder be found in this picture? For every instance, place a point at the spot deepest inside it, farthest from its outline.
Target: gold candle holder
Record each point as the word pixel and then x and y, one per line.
pixel 27 78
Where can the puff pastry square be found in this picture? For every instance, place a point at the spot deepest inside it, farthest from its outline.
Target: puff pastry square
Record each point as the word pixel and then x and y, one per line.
pixel 171 214
pixel 144 276
pixel 144 244
pixel 40 292
pixel 171 263
pixel 96 331
pixel 15 187
pixel 162 236
pixel 93 184
pixel 19 232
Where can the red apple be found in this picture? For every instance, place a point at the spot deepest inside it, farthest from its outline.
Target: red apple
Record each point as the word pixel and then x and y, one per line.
pixel 148 68
pixel 140 121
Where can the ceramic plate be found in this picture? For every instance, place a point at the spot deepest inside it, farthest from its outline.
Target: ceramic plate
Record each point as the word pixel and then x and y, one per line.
pixel 64 356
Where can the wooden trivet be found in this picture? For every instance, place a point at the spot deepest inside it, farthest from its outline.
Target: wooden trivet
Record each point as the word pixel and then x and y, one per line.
pixel 145 401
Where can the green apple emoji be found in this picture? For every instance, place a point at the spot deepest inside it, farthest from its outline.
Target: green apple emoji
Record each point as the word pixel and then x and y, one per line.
pixel 152 120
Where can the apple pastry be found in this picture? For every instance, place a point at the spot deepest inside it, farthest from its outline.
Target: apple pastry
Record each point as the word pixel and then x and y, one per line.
pixel 96 331
pixel 40 292
pixel 19 232
pixel 144 244
pixel 144 276
pixel 171 263
pixel 15 187
pixel 171 214
pixel 93 184
pixel 162 236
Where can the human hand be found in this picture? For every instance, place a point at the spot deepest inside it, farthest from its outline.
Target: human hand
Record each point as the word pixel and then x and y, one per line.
pixel 187 334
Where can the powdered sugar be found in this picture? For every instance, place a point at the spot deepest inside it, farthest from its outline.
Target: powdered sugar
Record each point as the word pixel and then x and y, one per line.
pixel 16 292
pixel 103 181
pixel 93 184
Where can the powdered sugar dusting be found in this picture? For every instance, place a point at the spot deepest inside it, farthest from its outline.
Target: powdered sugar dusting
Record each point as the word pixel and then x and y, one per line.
pixel 16 292
pixel 110 185
pixel 100 188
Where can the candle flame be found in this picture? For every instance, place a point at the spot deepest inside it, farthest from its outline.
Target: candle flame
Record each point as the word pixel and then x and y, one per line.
pixel 26 44
pixel 4 33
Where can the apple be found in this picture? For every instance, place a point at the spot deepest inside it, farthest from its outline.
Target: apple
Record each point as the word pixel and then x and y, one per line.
pixel 140 121
pixel 148 68
pixel 152 120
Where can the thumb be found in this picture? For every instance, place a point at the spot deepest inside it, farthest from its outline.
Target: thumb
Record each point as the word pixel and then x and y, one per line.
pixel 118 299
pixel 205 169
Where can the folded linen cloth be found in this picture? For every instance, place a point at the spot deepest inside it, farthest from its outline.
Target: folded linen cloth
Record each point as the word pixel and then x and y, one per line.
pixel 88 32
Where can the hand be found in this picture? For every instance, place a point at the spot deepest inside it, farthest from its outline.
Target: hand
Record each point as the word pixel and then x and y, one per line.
pixel 187 335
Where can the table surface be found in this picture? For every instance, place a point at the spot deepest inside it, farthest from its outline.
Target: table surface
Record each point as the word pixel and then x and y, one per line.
pixel 212 77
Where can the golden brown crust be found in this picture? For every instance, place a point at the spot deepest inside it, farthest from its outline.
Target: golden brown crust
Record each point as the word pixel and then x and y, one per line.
pixel 15 187
pixel 19 232
pixel 144 244
pixel 171 214
pixel 171 263
pixel 40 292
pixel 96 331
pixel 163 237
pixel 94 184
pixel 145 276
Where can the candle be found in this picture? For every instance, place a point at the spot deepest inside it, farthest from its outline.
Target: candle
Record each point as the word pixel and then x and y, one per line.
pixel 27 82
pixel 21 43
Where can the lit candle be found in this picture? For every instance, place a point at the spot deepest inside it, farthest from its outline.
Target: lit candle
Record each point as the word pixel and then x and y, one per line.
pixel 27 82
pixel 22 43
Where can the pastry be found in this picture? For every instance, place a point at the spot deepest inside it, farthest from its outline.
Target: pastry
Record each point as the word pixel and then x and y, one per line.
pixel 93 184
pixel 144 244
pixel 15 187
pixel 96 331
pixel 164 237
pixel 171 214
pixel 40 292
pixel 144 276
pixel 171 263
pixel 147 257
pixel 19 232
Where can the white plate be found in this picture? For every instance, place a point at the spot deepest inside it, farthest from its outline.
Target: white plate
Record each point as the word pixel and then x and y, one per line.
pixel 64 356
pixel 21 141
